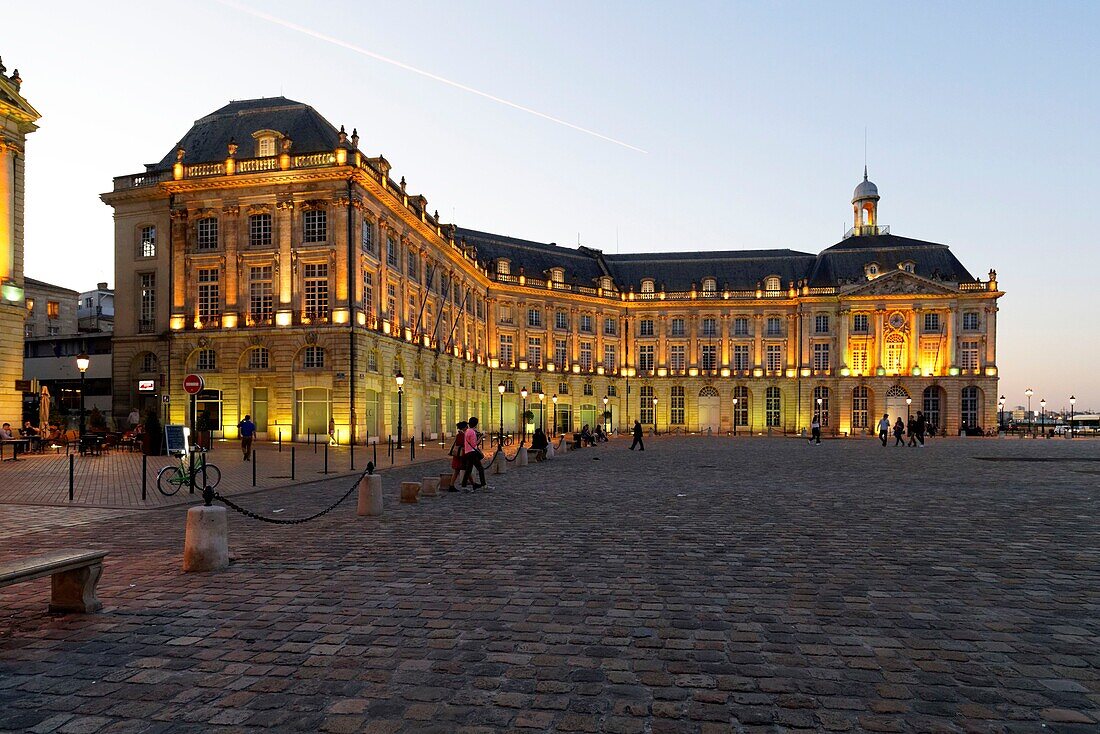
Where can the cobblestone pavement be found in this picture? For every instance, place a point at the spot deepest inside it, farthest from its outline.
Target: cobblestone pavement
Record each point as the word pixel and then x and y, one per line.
pixel 710 585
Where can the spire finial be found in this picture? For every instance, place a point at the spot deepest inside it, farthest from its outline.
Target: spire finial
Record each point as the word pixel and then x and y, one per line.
pixel 864 171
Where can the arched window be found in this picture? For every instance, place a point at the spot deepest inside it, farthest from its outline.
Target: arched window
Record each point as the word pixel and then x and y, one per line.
pixel 971 399
pixel 258 358
pixel 647 288
pixel 932 405
pixel 741 408
pixel 860 406
pixel 895 353
pixel 772 407
pixel 772 285
pixel 708 392
pixel 821 404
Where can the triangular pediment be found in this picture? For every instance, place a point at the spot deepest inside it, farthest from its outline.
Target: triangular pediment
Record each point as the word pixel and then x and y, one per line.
pixel 900 283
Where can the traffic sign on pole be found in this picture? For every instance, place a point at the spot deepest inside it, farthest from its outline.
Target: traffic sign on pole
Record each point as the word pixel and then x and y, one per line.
pixel 192 384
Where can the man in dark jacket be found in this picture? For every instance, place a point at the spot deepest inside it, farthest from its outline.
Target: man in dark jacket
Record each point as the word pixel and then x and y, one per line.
pixel 637 436
pixel 922 427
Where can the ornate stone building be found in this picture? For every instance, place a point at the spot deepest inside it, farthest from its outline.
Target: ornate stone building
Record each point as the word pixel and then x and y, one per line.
pixel 17 120
pixel 272 256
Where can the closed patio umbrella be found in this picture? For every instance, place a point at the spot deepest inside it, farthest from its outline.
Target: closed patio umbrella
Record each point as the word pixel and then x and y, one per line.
pixel 44 410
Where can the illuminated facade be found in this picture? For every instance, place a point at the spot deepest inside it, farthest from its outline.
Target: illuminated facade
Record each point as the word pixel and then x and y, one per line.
pixel 17 120
pixel 269 254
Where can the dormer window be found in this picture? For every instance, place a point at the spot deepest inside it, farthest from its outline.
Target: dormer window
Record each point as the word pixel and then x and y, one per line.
pixel 907 266
pixel 872 270
pixel 605 283
pixel 265 146
pixel 557 275
pixel 710 285
pixel 503 267
pixel 772 285
pixel 647 288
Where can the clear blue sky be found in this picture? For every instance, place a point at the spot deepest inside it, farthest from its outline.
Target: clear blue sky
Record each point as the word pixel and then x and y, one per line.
pixel 982 123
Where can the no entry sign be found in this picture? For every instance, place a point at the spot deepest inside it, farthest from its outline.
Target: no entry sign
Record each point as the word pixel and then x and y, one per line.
pixel 192 384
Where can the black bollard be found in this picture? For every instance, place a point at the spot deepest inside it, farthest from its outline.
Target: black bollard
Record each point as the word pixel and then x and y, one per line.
pixel 412 450
pixel 144 474
pixel 375 462
pixel 315 443
pixel 72 460
pixel 292 463
pixel 280 440
pixel 326 457
pixel 253 457
pixel 191 460
pixel 351 454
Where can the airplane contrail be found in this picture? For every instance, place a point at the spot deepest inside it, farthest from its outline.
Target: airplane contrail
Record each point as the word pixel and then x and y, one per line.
pixel 435 77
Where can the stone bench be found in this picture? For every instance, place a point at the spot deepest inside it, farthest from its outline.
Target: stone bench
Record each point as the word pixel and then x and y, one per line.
pixel 74 575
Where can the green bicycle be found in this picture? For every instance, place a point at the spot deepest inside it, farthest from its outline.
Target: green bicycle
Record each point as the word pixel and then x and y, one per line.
pixel 172 477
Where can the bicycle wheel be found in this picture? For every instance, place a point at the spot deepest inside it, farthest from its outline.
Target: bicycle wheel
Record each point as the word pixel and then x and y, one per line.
pixel 170 479
pixel 213 476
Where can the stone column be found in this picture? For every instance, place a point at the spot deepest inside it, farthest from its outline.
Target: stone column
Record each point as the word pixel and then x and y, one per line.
pixel 7 212
pixel 842 350
pixel 991 334
pixel 951 338
pixel 284 228
pixel 758 342
pixel 230 225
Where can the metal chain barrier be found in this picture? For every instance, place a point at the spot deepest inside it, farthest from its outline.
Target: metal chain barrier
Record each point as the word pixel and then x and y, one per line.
pixel 210 495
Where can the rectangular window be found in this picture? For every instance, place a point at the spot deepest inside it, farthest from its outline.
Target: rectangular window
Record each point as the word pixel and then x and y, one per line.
pixel 412 266
pixel 821 356
pixel 741 356
pixel 367 241
pixel 648 413
pixel 709 356
pixel 741 406
pixel 610 358
pixel 53 330
pixel 258 358
pixel 772 407
pixel 586 356
pixel 775 326
pixel 821 324
pixel 860 323
pixel 207 360
pixel 313 358
pixel 53 309
pixel 534 317
pixel 677 327
pixel 368 292
pixel 969 355
pixel 315 225
pixel 561 320
pixel 261 294
pixel 506 356
pixel 316 290
pixel 645 358
pixel 534 352
pixel 209 295
pixel 391 252
pixel 147 306
pixel 857 361
pixel 259 230
pixel 710 327
pixel 563 388
pixel 645 327
pixel 676 406
pixel 859 407
pixel 741 326
pixel 971 322
pixel 932 323
pixel 774 357
pixel 609 326
pixel 391 301
pixel 929 356
pixel 206 233
pixel 677 360
pixel 505 314
pixel 561 353
pixel 586 324
pixel 149 241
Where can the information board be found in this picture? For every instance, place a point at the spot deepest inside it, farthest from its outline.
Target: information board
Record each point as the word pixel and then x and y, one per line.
pixel 175 439
pixel 147 386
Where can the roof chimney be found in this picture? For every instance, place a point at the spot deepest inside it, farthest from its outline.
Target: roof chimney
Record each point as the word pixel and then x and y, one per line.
pixel 101 286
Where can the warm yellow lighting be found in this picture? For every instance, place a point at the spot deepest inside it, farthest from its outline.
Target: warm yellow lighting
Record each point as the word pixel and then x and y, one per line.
pixel 791 372
pixel 523 364
pixel 523 392
pixel 494 363
pixel 991 371
pixel 693 372
pixel 341 156
pixel 386 327
pixel 954 371
pixel 882 371
pixel 757 372
pixel 805 372
pixel 500 387
pixel 361 318
pixel 576 369
pixel 229 320
pixel 340 316
pixel 399 378
pixel 408 334
pixel 661 371
pixel 845 372
pixel 916 372
pixel 725 372
pixel 549 366
pixel 82 362
pixel 599 370
pixel 283 318
pixel 177 322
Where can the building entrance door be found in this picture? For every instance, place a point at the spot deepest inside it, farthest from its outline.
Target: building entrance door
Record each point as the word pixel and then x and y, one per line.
pixel 895 404
pixel 710 411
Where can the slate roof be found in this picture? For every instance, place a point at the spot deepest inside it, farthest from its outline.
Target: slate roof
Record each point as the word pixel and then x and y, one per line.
pixel 734 269
pixel 208 139
pixel 844 261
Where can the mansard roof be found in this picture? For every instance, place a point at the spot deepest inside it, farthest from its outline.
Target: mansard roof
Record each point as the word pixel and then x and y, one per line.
pixel 733 269
pixel 581 265
pixel 208 139
pixel 845 261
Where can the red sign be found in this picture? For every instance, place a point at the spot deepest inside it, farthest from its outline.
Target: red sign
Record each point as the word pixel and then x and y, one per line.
pixel 192 384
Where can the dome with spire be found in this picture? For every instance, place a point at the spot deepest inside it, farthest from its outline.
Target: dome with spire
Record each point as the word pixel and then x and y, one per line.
pixel 865 190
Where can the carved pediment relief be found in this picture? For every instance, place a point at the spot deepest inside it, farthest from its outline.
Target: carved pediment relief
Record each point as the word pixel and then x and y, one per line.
pixel 899 283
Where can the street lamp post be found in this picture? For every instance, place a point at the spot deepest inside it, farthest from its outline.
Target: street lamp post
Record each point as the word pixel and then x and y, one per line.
pixel 908 402
pixel 542 411
pixel 1001 405
pixel 1043 419
pixel 1072 402
pixel 82 363
pixel 605 419
pixel 500 436
pixel 554 429
pixel 400 378
pixel 1029 392
pixel 523 417
pixel 654 416
pixel 734 421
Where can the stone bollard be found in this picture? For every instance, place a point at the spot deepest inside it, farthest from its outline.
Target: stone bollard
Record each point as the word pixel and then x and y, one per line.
pixel 206 540
pixel 429 486
pixel 549 451
pixel 409 490
pixel 500 466
pixel 370 496
pixel 445 482
pixel 521 456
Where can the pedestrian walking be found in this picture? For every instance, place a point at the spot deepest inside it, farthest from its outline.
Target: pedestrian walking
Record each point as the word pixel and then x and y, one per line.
pixel 247 429
pixel 637 436
pixel 899 432
pixel 912 429
pixel 331 432
pixel 884 428
pixel 815 429
pixel 133 419
pixel 922 426
pixel 472 456
pixel 458 447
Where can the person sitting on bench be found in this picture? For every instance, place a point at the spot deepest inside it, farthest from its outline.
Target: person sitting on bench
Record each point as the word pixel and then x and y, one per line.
pixel 539 443
pixel 587 439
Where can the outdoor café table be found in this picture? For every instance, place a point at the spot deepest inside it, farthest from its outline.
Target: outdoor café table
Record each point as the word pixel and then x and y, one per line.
pixel 17 445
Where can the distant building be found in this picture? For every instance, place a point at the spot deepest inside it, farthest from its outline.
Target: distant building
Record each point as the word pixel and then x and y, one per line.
pixel 268 254
pixel 17 120
pixel 96 309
